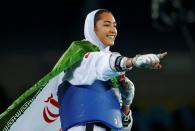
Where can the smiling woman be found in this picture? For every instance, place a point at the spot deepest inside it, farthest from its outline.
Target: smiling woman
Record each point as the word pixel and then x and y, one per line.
pixel 94 73
pixel 89 101
pixel 105 27
pixel 87 86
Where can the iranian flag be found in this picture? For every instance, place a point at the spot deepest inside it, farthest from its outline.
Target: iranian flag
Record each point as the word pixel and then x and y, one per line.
pixel 37 109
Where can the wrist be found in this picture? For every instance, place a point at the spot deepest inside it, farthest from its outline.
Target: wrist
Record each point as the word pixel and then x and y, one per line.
pixel 129 62
pixel 120 63
pixel 126 109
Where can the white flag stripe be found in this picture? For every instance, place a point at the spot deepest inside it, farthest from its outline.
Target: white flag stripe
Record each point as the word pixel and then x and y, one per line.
pixel 32 119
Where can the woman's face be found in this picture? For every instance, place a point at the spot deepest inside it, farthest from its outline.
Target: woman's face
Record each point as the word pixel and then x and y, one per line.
pixel 105 29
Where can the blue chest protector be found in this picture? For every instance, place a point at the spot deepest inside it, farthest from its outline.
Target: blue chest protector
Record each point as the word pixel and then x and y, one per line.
pixel 84 104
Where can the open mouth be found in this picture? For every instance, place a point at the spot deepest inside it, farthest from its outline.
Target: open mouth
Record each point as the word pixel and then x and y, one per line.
pixel 111 37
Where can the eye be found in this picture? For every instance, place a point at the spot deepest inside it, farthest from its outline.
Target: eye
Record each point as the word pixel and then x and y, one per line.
pixel 106 25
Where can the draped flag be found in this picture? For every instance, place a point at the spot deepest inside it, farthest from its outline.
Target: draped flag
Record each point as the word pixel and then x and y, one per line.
pixel 40 112
pixel 37 109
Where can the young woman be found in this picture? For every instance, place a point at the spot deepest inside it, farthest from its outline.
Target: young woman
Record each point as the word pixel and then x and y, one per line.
pixel 87 99
pixel 79 94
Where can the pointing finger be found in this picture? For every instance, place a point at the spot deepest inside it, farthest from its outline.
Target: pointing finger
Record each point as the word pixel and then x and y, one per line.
pixel 162 55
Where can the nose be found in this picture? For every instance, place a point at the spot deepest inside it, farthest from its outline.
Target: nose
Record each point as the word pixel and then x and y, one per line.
pixel 113 30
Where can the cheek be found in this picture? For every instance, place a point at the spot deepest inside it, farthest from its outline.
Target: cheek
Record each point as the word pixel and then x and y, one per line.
pixel 101 32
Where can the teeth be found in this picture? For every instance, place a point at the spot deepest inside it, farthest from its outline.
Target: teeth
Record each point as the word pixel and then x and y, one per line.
pixel 111 36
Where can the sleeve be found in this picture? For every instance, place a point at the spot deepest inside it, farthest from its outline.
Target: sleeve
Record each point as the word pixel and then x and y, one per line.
pixel 93 66
pixel 102 65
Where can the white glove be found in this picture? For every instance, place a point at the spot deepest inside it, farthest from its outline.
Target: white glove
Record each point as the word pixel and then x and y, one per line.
pixel 127 91
pixel 145 61
pixel 127 121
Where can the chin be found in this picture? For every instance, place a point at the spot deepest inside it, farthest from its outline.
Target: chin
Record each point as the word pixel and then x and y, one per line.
pixel 110 43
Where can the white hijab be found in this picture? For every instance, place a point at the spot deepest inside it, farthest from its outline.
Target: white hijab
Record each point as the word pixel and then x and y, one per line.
pixel 89 33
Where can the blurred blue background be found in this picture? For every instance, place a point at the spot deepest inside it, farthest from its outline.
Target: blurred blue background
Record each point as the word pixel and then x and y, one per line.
pixel 34 34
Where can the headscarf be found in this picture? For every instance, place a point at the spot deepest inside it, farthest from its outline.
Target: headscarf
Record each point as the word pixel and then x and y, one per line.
pixel 90 34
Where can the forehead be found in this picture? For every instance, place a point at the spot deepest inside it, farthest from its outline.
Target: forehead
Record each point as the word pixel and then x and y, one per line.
pixel 105 16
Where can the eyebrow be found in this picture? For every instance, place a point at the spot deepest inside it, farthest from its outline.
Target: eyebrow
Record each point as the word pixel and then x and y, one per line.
pixel 110 22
